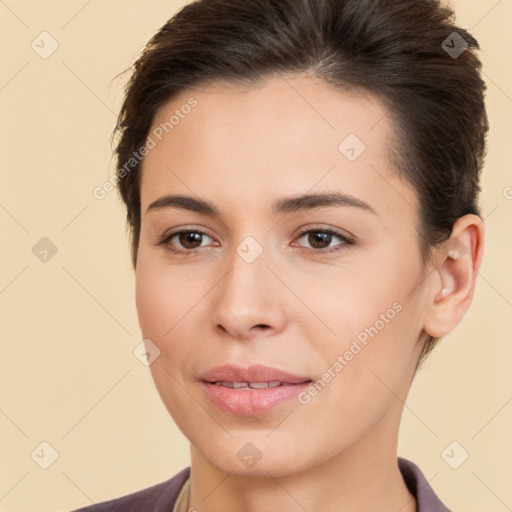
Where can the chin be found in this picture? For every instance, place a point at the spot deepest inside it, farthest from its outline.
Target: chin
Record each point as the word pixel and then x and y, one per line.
pixel 253 456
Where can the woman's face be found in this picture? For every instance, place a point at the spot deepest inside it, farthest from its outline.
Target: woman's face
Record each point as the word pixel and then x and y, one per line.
pixel 332 292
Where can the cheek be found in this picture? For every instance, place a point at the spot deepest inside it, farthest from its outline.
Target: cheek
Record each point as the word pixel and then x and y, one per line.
pixel 364 372
pixel 356 303
pixel 152 304
pixel 169 304
pixel 162 308
pixel 162 297
pixel 374 324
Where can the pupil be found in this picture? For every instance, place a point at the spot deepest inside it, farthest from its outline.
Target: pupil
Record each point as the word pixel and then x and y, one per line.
pixel 314 238
pixel 190 238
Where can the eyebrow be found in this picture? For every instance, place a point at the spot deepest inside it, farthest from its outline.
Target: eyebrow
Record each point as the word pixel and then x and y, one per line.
pixel 289 204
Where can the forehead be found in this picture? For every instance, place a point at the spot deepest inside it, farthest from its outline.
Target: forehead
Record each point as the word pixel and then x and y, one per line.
pixel 285 134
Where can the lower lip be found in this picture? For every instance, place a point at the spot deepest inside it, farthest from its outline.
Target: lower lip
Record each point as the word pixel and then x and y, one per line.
pixel 251 402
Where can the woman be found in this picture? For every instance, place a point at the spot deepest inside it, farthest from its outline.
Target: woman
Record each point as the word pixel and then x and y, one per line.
pixel 301 181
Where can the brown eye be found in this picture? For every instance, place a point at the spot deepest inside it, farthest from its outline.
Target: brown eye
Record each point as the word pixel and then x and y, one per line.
pixel 184 241
pixel 320 240
pixel 190 239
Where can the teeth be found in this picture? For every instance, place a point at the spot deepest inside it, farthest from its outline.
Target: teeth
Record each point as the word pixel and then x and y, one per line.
pixel 249 385
pixel 258 385
pixel 239 384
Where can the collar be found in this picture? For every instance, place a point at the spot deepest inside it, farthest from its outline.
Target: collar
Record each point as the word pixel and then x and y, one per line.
pixel 426 498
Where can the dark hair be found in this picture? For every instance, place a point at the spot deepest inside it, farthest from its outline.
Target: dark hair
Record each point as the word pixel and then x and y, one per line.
pixel 408 53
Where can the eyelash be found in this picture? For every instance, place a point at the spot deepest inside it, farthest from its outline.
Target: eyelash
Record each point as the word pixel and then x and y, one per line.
pixel 346 241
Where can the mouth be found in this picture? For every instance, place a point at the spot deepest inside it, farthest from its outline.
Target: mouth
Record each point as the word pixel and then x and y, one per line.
pixel 251 398
pixel 252 391
pixel 254 385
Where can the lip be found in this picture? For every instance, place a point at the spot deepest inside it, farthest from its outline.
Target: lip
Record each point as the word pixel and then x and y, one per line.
pixel 250 402
pixel 254 373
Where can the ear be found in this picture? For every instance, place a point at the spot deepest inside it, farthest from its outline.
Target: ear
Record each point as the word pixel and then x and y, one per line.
pixel 453 279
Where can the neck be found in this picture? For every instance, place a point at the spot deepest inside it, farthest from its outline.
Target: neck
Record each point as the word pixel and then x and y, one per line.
pixel 363 477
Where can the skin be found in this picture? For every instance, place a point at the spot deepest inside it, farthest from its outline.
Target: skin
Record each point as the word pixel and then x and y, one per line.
pixel 241 149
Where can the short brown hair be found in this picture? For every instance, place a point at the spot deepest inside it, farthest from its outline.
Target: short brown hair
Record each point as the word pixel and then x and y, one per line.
pixel 398 50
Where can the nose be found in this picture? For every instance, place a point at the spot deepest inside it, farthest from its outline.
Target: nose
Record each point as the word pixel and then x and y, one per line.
pixel 249 301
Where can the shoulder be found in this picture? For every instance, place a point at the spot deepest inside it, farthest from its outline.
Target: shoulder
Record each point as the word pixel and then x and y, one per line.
pixel 157 498
pixel 420 488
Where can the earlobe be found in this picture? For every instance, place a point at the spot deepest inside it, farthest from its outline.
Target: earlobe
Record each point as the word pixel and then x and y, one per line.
pixel 453 281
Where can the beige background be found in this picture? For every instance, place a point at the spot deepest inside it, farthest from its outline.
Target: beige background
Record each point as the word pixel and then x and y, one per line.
pixel 69 327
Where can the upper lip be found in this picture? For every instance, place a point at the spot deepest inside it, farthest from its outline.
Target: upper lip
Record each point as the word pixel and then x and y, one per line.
pixel 254 373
